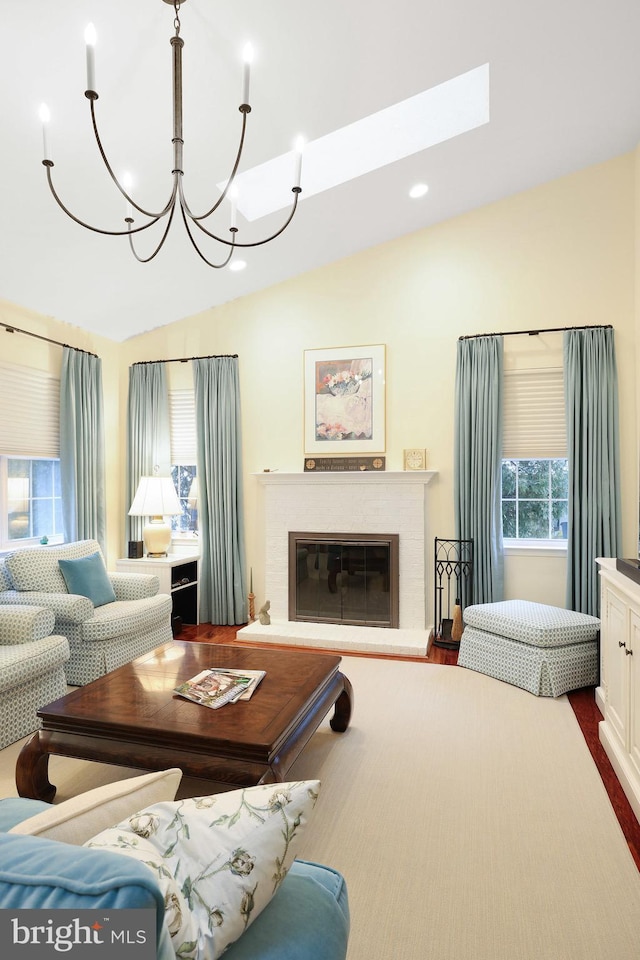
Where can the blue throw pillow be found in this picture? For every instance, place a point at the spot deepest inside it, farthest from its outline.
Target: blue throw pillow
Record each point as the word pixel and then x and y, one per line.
pixel 87 576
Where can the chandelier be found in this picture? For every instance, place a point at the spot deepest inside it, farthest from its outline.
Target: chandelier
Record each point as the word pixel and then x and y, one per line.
pixel 192 221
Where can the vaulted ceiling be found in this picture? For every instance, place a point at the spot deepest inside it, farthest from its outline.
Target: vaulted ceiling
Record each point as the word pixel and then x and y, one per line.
pixel 564 82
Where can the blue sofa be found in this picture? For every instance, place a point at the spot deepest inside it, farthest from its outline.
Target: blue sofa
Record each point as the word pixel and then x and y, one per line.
pixel 307 919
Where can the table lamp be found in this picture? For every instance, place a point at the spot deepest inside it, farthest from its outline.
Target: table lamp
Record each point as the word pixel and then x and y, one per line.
pixel 156 498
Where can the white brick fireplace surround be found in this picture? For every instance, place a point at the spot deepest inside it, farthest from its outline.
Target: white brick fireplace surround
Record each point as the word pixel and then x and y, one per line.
pixel 349 502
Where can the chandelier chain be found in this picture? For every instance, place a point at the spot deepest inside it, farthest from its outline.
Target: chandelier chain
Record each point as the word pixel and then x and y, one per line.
pixel 176 22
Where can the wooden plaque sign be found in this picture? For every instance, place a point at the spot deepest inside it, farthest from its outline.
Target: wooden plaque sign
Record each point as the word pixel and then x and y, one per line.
pixel 336 464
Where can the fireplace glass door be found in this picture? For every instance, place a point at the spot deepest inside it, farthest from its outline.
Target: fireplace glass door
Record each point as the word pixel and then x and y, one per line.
pixel 347 579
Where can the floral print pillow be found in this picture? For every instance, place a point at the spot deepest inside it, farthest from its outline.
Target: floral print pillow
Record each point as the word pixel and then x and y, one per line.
pixel 218 859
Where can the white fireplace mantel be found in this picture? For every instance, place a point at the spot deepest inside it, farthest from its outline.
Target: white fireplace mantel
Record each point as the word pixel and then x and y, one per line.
pixel 348 476
pixel 358 501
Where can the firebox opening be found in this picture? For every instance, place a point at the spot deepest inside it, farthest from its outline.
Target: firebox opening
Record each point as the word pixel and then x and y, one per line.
pixel 344 578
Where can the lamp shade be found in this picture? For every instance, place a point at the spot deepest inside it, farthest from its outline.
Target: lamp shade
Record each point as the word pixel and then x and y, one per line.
pixel 155 497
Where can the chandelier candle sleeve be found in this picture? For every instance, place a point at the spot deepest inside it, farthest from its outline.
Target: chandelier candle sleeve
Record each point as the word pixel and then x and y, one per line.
pixel 247 56
pixel 233 196
pixel 127 183
pixel 90 40
pixel 299 152
pixel 45 116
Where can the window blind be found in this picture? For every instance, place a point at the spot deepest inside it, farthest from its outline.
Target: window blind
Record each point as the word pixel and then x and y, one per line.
pixel 534 414
pixel 182 417
pixel 29 412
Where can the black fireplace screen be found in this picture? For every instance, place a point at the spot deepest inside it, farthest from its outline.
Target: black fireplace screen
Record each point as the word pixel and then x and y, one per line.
pixel 344 578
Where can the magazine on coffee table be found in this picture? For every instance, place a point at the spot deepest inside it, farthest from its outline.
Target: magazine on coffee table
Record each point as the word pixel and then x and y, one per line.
pixel 254 677
pixel 214 688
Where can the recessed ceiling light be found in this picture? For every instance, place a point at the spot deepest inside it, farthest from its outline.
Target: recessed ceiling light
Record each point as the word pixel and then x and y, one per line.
pixel 237 265
pixel 418 190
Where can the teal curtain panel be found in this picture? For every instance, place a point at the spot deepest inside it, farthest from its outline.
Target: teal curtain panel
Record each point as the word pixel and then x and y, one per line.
pixel 148 435
pixel 593 440
pixel 82 447
pixel 223 589
pixel 478 460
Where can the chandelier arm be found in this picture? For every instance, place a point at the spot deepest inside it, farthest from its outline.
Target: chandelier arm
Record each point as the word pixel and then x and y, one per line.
pixel 160 245
pixel 109 233
pixel 146 213
pixel 230 180
pixel 256 243
pixel 216 266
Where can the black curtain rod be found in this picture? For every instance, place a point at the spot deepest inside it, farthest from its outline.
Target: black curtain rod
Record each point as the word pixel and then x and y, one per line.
pixel 534 333
pixel 213 356
pixel 9 327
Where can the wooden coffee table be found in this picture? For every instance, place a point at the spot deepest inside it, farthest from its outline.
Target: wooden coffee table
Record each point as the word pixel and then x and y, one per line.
pixel 131 717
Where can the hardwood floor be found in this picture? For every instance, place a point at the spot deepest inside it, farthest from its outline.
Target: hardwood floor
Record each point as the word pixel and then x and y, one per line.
pixel 582 702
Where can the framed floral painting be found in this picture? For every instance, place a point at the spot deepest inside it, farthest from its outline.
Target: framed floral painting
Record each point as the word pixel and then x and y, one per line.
pixel 344 400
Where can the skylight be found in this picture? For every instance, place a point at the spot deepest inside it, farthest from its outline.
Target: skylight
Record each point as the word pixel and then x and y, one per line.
pixel 408 127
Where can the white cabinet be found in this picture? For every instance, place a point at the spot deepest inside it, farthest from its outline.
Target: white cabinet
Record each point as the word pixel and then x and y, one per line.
pixel 178 575
pixel 634 701
pixel 620 676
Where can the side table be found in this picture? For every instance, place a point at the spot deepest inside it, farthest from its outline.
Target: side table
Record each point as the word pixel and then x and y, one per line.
pixel 178 575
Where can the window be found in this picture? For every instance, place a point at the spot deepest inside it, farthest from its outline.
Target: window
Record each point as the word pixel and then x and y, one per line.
pixel 183 461
pixel 30 494
pixel 535 469
pixel 186 484
pixel 535 499
pixel 34 502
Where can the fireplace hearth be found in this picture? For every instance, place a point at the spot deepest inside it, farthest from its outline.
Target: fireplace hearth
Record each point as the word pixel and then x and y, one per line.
pixel 346 578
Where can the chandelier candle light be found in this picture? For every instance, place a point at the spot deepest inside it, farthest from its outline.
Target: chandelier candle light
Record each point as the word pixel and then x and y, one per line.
pixel 177 195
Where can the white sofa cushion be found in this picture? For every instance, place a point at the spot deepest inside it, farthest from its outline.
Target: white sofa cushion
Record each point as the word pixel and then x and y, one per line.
pixel 78 819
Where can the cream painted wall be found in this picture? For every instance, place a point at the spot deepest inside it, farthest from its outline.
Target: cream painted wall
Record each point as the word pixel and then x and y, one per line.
pixel 562 254
pixel 636 206
pixel 30 352
pixel 559 255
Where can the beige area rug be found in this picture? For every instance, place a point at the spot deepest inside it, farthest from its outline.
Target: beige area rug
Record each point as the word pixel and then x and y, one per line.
pixel 467 816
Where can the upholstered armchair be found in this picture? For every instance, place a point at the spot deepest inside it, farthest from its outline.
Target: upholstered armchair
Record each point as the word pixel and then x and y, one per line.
pixel 108 618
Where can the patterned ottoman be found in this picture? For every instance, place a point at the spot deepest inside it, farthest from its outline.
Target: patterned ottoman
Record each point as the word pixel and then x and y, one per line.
pixel 545 650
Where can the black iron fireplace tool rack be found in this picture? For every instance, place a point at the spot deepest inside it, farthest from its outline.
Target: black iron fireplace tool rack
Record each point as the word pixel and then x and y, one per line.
pixel 453 569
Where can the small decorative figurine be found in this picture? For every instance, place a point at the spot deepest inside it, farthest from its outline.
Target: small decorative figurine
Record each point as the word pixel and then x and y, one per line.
pixel 263 613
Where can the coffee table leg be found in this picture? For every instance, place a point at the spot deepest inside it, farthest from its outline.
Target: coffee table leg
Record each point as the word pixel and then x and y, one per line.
pixel 269 777
pixel 32 771
pixel 344 705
